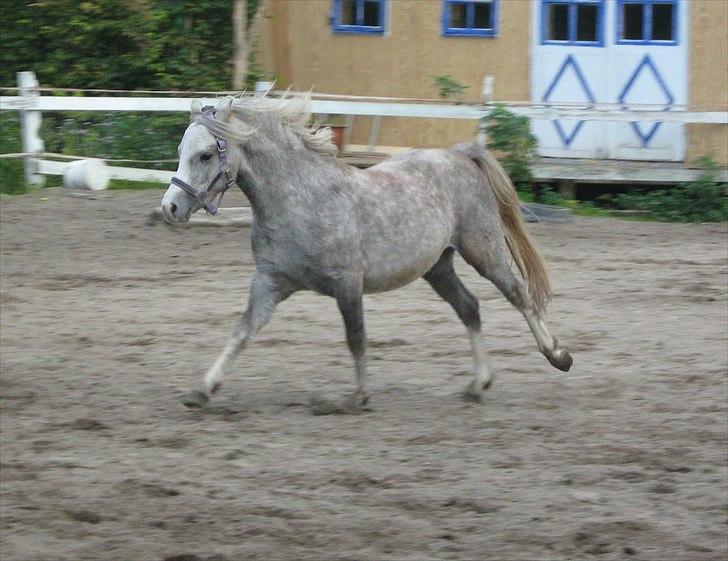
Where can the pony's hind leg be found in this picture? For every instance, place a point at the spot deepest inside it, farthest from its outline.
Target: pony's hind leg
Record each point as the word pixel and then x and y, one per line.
pixel 491 261
pixel 447 284
pixel 266 292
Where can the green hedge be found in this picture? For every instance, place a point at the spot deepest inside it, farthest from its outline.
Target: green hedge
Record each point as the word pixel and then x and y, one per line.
pixel 135 136
pixel 12 177
pixel 702 200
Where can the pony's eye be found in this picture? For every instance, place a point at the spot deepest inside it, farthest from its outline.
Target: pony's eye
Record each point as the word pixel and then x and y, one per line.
pixel 205 157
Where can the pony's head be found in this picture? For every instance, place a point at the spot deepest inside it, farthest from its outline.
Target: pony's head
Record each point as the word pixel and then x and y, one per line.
pixel 221 141
pixel 210 157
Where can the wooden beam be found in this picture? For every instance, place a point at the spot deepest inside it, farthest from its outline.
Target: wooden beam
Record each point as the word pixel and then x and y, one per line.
pixel 364 108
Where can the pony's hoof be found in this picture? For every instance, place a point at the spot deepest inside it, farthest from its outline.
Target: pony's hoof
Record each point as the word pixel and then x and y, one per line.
pixel 561 359
pixel 195 399
pixel 475 389
pixel 355 404
pixel 358 399
pixel 323 406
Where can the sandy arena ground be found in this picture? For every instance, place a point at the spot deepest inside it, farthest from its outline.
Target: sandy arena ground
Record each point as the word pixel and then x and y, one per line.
pixel 106 319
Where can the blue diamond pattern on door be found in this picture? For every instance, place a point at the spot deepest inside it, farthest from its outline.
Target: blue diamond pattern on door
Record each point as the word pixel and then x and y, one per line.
pixel 646 78
pixel 562 127
pixel 608 70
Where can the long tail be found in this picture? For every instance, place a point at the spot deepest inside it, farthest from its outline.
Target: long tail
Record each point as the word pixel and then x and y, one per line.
pixel 527 259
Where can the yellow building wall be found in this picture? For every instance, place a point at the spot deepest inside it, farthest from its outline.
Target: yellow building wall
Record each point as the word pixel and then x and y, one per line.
pixel 708 75
pixel 300 48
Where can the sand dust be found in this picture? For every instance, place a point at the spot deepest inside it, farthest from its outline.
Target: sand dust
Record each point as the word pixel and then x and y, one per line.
pixel 107 319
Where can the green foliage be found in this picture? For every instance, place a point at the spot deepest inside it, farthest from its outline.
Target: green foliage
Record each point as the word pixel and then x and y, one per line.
pixel 702 200
pixel 119 44
pixel 122 185
pixel 448 86
pixel 12 177
pixel 113 44
pixel 511 135
pixel 135 136
pixel 548 196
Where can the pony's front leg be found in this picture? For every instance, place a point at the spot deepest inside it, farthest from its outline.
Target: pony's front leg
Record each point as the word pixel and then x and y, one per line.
pixel 351 305
pixel 266 292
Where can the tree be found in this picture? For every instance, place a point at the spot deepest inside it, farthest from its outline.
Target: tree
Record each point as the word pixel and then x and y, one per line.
pixel 246 21
pixel 126 44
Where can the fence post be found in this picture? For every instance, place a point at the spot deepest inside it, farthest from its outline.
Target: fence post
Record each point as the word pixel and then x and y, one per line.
pixel 374 132
pixel 30 121
pixel 488 82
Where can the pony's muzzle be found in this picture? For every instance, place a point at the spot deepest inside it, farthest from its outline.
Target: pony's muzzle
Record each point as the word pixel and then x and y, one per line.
pixel 169 211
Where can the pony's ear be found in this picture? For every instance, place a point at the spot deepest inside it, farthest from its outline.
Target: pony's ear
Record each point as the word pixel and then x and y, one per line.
pixel 224 110
pixel 196 106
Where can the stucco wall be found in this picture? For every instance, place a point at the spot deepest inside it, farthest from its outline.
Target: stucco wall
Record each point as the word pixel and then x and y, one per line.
pixel 299 47
pixel 708 75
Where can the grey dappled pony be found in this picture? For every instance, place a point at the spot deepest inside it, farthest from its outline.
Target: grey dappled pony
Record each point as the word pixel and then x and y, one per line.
pixel 322 225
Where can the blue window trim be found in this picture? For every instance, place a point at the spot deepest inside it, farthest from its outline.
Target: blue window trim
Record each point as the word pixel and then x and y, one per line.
pixel 339 27
pixel 647 23
pixel 572 7
pixel 469 31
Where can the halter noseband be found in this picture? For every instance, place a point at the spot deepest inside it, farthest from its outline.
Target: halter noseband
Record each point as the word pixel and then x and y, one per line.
pixel 206 196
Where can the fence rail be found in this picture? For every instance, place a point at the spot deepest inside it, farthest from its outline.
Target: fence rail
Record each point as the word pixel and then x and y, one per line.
pixel 31 104
pixel 593 112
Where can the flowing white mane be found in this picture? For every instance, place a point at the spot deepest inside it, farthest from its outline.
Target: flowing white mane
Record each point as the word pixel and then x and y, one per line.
pixel 292 112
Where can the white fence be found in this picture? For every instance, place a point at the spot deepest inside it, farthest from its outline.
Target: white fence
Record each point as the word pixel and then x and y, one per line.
pixel 31 104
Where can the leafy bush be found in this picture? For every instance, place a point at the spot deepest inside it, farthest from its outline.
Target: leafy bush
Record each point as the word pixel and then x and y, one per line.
pixel 447 86
pixel 137 136
pixel 702 200
pixel 511 135
pixel 12 176
pixel 139 44
pixel 134 136
pixel 548 196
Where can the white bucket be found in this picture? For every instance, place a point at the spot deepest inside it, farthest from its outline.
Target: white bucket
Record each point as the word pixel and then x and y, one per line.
pixel 87 174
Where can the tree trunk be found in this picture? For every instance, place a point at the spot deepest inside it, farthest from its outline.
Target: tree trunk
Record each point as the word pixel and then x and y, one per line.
pixel 245 33
pixel 240 38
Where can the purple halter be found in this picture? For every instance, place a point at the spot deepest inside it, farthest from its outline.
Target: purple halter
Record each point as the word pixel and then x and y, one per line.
pixel 206 196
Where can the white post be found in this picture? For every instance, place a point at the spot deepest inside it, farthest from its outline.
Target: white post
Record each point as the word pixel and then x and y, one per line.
pixel 488 81
pixel 347 131
pixel 30 121
pixel 374 132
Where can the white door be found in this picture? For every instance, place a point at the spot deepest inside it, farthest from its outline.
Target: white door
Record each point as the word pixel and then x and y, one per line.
pixel 628 52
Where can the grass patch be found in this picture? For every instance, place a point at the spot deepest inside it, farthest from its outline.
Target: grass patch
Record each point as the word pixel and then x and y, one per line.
pixel 702 200
pixel 547 196
pixel 12 174
pixel 123 185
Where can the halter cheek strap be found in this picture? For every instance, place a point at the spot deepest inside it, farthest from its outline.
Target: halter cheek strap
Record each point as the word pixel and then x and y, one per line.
pixel 206 196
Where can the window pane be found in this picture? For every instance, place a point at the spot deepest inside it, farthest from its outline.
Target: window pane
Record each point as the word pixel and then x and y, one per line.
pixel 483 15
pixel 632 20
pixel 371 13
pixel 586 22
pixel 458 15
pixel 662 22
pixel 348 12
pixel 558 22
